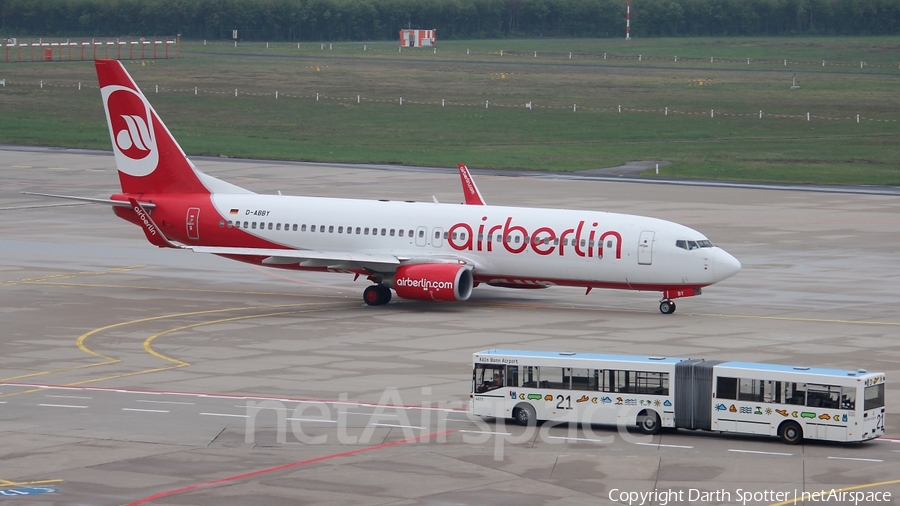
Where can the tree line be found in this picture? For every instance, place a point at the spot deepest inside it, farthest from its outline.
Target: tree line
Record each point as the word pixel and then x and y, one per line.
pixel 344 20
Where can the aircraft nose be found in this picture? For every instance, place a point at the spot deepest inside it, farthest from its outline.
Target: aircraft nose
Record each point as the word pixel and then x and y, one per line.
pixel 725 265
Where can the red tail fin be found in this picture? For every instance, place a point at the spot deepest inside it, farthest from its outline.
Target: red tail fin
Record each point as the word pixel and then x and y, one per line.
pixel 473 196
pixel 147 156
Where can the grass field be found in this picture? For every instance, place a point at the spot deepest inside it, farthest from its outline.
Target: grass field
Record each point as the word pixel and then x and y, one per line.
pixel 712 130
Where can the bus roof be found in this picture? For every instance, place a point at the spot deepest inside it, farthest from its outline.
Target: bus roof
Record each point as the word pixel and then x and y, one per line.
pixel 820 371
pixel 582 356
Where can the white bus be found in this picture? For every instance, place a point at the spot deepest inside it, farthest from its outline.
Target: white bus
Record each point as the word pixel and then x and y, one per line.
pixel 794 403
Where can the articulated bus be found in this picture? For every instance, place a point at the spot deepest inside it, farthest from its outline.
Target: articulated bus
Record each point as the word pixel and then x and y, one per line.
pixel 793 403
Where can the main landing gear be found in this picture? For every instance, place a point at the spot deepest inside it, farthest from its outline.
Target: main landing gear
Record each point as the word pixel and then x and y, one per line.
pixel 667 306
pixel 377 295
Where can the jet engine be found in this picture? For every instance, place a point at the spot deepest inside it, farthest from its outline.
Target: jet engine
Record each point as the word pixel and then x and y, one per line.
pixel 446 282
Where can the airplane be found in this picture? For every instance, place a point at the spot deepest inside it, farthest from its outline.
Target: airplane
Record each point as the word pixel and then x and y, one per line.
pixel 420 250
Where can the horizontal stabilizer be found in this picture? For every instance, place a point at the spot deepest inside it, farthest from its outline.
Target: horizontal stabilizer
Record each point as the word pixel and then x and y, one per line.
pixel 109 202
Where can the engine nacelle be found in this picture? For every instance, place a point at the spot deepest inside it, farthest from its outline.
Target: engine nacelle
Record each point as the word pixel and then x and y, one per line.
pixel 447 282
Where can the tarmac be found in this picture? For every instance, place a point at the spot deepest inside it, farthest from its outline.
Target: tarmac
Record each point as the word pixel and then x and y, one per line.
pixel 137 375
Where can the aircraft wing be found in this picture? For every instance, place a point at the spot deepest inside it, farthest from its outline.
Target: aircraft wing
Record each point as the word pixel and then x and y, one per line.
pixel 308 258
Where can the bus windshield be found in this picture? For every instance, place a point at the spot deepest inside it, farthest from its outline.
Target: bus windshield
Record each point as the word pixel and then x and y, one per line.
pixel 874 397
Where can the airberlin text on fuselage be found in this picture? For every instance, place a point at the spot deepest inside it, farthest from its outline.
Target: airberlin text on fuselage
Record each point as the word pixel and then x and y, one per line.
pixel 543 240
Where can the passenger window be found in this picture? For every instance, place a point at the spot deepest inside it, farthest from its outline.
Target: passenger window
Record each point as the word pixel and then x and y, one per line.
pixel 794 393
pixel 585 379
pixel 454 236
pixel 517 239
pixel 303 228
pixel 366 231
pixel 410 233
pixel 294 227
pixel 322 229
pixel 750 390
pixel 609 244
pixel 270 226
pixel 312 228
pixel 246 224
pixel 823 396
pixel 582 243
pixel 229 224
pixel 278 226
pixel 529 376
pixel 221 223
pixel 726 388
pixel 331 229
pixel 357 230
pixel 340 230
pixel 253 225
pixel 401 232
pixel 848 398
pixel 552 377
pixel 445 236
pixel 383 231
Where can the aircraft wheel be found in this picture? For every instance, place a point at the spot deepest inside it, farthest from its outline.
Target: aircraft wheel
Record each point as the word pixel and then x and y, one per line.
pixel 385 294
pixel 667 307
pixel 374 295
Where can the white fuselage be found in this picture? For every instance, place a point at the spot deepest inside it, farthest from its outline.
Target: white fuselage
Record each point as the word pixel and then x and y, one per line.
pixel 581 248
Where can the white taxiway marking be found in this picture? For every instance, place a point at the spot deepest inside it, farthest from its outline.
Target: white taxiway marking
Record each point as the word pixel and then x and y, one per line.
pixel 224 414
pixel 310 420
pixel 664 446
pixel 581 439
pixel 387 415
pixel 392 425
pixel 459 420
pixel 61 406
pixel 146 410
pixel 68 396
pixel 762 453
pixel 850 458
pixel 485 432
pixel 165 402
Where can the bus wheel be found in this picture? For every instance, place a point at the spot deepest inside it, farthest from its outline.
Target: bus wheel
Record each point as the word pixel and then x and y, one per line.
pixel 790 433
pixel 525 415
pixel 648 422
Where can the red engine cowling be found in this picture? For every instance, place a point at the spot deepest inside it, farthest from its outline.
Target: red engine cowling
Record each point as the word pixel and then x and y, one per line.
pixel 447 282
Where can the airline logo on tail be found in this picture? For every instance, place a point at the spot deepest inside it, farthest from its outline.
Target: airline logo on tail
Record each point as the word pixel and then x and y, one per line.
pixel 130 121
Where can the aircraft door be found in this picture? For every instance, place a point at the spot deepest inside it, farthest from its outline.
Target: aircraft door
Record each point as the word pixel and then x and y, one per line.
pixel 193 223
pixel 645 248
pixel 421 236
pixel 437 237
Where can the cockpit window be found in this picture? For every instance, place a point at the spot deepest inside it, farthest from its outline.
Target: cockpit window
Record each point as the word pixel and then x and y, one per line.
pixel 689 245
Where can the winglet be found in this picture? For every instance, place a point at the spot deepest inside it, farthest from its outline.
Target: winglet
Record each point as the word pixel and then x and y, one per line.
pixel 151 229
pixel 473 196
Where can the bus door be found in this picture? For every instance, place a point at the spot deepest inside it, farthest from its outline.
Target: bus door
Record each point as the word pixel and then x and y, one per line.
pixel 645 248
pixel 421 236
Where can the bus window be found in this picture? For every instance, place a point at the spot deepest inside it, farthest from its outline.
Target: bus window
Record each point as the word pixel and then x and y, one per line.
pixel 750 390
pixel 529 376
pixel 552 377
pixel 726 388
pixel 795 393
pixel 488 377
pixel 651 383
pixel 512 375
pixel 848 398
pixel 874 397
pixel 823 396
pixel 585 379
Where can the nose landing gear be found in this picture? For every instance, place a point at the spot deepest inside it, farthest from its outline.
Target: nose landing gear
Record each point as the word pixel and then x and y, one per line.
pixel 377 295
